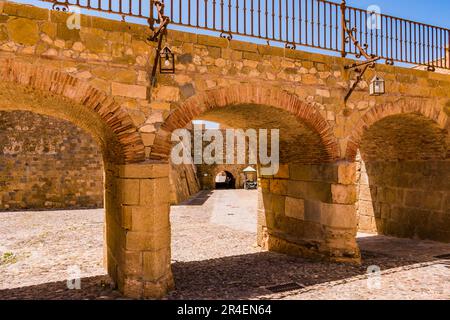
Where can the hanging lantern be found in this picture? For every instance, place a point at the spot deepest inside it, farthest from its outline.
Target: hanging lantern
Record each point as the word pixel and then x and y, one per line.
pixel 167 61
pixel 377 86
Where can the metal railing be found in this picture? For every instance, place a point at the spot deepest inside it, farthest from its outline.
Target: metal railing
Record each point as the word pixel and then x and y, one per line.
pixel 310 23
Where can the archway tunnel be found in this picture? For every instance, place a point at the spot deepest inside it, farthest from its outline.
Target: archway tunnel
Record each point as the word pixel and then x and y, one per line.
pixel 303 208
pixel 51 172
pixel 225 180
pixel 404 178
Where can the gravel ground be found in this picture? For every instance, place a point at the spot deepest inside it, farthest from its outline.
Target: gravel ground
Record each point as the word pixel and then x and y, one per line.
pixel 214 257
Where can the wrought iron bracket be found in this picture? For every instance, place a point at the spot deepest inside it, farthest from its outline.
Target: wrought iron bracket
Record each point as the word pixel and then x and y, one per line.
pixel 360 74
pixel 290 45
pixel 157 36
pixel 226 35
pixel 369 63
pixel 58 6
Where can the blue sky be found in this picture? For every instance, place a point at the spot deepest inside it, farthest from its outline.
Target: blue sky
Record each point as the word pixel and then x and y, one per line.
pixel 435 12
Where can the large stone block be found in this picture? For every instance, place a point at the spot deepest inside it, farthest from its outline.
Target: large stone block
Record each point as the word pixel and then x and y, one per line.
pixel 343 194
pixel 94 42
pixel 278 204
pixel 154 191
pixel 25 11
pixel 347 173
pixel 295 208
pixel 278 186
pixel 143 170
pixel 129 191
pixel 168 94
pixel 243 46
pixel 128 90
pixel 283 172
pixel 23 31
pixel 320 191
pixel 156 264
pixel 338 215
pixel 148 241
pixel 132 262
pixel 127 217
pixel 212 41
pixel 300 172
pixel 149 219
pixel 313 211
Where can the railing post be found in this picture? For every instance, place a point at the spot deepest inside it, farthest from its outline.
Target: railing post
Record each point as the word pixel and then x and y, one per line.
pixel 343 23
pixel 447 55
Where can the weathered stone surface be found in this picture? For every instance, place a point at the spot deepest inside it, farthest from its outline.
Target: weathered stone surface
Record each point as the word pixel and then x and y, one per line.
pixel 147 219
pixel 149 171
pixel 338 215
pixel 131 91
pixel 156 265
pixel 295 208
pixel 169 94
pixel 343 194
pixel 129 191
pixel 146 241
pixel 35 150
pixel 23 31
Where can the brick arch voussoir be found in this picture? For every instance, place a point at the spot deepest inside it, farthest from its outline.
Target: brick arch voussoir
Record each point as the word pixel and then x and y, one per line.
pixel 64 85
pixel 380 112
pixel 243 94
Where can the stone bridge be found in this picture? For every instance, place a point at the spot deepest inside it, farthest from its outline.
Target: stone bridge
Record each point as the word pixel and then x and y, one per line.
pixel 378 162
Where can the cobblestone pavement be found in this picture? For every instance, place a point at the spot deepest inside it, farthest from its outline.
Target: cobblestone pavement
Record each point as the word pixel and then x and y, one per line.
pixel 214 257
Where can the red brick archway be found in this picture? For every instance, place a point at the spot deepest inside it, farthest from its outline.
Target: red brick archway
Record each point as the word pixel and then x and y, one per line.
pixel 239 95
pixel 63 85
pixel 382 111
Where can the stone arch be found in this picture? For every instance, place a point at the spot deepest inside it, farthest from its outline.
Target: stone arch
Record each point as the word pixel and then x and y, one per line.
pixel 129 181
pixel 55 84
pixel 228 173
pixel 298 211
pixel 402 159
pixel 240 95
pixel 390 109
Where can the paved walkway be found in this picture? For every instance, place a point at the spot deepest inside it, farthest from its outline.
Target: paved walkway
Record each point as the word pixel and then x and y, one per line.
pixel 214 256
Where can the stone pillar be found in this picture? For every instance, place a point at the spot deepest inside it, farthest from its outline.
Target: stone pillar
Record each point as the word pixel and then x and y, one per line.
pixel 339 217
pixel 309 210
pixel 138 229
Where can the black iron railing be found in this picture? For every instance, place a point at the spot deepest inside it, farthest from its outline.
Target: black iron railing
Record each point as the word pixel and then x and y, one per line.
pixel 311 23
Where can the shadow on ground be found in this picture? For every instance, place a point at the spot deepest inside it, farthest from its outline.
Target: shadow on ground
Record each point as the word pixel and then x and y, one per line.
pixel 92 288
pixel 197 200
pixel 247 276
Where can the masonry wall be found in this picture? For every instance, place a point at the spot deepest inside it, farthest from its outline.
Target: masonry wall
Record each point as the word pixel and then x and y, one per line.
pixel 46 163
pixel 406 199
pixel 184 182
